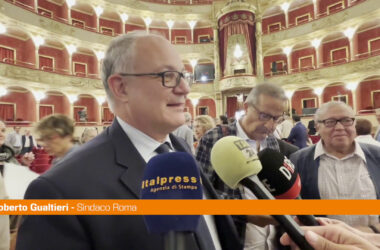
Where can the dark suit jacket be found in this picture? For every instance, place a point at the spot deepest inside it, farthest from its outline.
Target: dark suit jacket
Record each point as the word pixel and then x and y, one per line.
pixel 107 167
pixel 298 135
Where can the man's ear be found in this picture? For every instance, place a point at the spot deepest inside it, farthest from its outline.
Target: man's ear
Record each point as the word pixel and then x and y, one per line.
pixel 118 87
pixel 245 105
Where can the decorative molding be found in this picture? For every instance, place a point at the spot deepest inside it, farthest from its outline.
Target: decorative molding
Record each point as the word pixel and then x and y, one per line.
pixel 237 82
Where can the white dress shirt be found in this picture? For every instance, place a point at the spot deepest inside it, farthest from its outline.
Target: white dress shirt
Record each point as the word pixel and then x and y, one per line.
pixel 256 238
pixel 146 146
pixel 345 178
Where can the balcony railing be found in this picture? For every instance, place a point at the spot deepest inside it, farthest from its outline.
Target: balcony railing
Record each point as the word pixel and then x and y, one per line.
pixel 95 30
pixel 49 69
pixel 319 16
pixel 357 57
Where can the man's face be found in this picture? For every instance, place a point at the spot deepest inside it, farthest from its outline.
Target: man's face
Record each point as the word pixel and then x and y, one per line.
pixel 337 137
pixel 55 145
pixel 17 129
pixel 151 106
pixel 253 125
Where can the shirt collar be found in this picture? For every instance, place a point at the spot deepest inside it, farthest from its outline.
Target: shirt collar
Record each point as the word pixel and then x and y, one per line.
pixel 240 133
pixel 144 144
pixel 320 150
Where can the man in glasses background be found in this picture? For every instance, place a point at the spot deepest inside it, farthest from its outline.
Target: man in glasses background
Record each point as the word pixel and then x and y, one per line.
pixel 338 167
pixel 264 107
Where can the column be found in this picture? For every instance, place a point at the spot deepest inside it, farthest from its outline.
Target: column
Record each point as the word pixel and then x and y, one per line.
pixel 70 64
pixel 35 6
pixel 37 57
pixel 216 53
pixel 37 110
pixel 354 104
pixel 352 54
pixel 316 44
pixel 259 50
pixel 98 11
pixel 285 8
pixel 124 18
pixel 316 8
pixel 219 104
pixel 69 16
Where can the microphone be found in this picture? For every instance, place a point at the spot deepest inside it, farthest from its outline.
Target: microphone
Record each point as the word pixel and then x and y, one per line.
pixel 236 163
pixel 6 153
pixel 172 175
pixel 281 178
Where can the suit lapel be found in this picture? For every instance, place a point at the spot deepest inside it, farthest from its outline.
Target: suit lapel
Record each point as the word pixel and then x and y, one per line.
pixel 127 155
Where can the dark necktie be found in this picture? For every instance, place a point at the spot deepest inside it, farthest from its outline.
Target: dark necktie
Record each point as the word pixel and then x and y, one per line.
pixel 202 234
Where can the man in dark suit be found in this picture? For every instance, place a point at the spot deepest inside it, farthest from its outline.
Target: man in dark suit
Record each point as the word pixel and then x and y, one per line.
pixel 146 90
pixel 298 135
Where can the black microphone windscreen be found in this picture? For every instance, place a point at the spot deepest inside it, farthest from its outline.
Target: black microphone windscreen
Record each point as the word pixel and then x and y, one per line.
pixel 279 174
pixel 171 176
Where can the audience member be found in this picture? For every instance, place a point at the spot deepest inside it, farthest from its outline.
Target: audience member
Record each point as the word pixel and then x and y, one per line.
pixel 14 139
pixel 337 167
pixel 377 133
pixel 363 131
pixel 264 106
pixel 185 132
pixel 88 134
pixel 137 67
pixel 202 124
pixel 28 142
pixel 311 127
pixel 223 119
pixel 56 135
pixel 298 135
pixel 284 127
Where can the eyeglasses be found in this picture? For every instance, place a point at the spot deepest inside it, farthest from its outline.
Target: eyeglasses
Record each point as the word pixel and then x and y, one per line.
pixel 267 117
pixel 330 123
pixel 170 78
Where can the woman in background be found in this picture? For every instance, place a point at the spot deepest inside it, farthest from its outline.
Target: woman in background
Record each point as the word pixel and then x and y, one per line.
pixel 202 124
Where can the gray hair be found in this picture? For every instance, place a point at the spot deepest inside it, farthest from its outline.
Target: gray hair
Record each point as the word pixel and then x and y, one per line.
pixel 269 89
pixel 187 116
pixel 119 57
pixel 328 105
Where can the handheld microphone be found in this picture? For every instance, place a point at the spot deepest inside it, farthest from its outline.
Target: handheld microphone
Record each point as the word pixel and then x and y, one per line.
pixel 172 176
pixel 6 153
pixel 236 163
pixel 281 178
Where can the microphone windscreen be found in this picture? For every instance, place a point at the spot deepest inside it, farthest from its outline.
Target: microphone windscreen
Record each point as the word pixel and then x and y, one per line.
pixel 171 176
pixel 233 159
pixel 279 175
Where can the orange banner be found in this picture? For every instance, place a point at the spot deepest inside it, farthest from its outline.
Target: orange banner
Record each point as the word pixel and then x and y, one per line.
pixel 188 207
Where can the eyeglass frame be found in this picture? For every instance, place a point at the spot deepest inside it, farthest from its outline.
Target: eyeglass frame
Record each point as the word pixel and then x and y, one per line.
pixel 271 117
pixel 352 119
pixel 162 75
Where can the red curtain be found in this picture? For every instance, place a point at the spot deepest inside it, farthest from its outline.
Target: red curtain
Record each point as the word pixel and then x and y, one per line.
pixel 239 22
pixel 306 63
pixel 376 100
pixel 7 112
pixel 232 106
pixel 107 115
pixel 46 63
pixel 309 103
pixel 338 56
pixel 80 69
pixel 45 111
pixel 7 53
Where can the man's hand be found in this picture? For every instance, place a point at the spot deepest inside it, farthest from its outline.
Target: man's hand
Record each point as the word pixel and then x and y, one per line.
pixel 27 159
pixel 330 237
